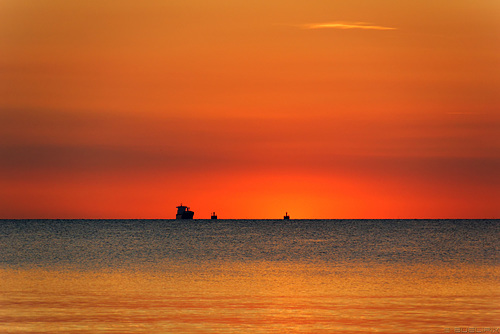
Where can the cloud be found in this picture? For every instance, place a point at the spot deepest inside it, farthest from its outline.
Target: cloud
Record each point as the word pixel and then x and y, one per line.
pixel 346 25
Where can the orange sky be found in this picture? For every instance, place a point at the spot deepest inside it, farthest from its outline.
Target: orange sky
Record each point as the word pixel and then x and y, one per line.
pixel 324 109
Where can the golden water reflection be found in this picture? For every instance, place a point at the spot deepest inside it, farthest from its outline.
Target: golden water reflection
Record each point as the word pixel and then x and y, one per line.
pixel 253 297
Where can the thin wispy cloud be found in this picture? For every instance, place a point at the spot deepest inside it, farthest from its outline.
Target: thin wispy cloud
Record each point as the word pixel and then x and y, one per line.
pixel 346 25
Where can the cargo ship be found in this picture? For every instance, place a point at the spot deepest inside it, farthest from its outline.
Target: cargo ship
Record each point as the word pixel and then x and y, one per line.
pixel 183 212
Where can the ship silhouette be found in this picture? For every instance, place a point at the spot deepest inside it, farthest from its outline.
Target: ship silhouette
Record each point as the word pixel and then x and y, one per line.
pixel 183 212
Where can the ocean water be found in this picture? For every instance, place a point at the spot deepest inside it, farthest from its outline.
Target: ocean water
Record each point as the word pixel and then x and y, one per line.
pixel 249 276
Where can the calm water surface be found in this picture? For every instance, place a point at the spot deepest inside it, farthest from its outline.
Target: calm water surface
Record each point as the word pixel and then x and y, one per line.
pixel 249 276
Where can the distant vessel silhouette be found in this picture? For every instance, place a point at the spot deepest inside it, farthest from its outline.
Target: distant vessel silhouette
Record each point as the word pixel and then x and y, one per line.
pixel 214 216
pixel 286 216
pixel 183 212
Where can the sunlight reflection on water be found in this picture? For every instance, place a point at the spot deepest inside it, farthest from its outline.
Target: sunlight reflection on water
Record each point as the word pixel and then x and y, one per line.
pixel 168 278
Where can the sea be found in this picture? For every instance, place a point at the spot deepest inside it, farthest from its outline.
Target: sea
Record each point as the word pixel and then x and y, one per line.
pixel 249 276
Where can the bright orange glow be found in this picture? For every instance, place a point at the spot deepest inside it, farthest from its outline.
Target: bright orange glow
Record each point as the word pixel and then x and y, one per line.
pixel 324 109
pixel 275 296
pixel 346 25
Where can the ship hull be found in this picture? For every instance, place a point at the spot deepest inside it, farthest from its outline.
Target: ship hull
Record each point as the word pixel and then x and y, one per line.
pixel 185 215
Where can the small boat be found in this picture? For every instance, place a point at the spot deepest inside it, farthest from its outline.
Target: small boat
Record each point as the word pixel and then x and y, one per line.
pixel 183 212
pixel 214 216
pixel 286 216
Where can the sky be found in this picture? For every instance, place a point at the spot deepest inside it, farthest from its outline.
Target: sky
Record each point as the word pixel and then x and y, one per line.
pixel 322 109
